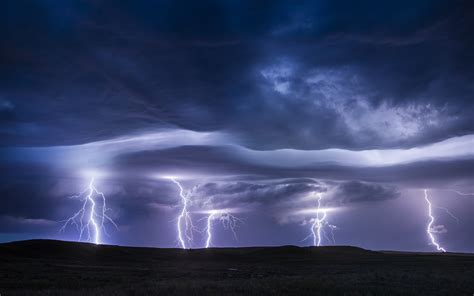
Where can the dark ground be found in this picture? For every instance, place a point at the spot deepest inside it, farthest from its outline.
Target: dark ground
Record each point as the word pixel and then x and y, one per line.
pixel 45 267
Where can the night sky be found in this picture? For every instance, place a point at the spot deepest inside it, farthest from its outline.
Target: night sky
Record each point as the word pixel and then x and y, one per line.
pixel 257 108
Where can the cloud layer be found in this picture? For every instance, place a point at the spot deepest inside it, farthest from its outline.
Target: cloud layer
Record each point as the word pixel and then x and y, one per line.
pixel 256 107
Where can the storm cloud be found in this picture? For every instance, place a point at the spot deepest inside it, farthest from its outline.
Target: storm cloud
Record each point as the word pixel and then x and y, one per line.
pixel 256 107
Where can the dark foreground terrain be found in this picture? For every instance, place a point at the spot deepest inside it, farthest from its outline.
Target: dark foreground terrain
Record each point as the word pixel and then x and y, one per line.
pixel 45 267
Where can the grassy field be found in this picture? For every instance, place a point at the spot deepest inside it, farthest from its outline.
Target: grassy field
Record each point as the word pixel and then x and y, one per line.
pixel 45 267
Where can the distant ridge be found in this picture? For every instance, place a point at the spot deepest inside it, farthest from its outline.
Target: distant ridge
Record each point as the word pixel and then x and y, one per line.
pixel 57 243
pixel 66 250
pixel 44 249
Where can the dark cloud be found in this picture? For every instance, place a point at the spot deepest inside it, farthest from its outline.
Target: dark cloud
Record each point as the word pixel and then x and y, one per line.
pixel 19 224
pixel 356 192
pixel 281 80
pixel 92 77
pixel 247 196
pixel 30 197
pixel 37 200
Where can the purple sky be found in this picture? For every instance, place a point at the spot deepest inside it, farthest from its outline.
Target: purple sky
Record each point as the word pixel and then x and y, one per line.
pixel 257 109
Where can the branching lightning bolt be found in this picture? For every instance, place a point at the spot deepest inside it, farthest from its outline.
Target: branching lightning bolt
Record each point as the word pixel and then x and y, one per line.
pixel 91 215
pixel 183 218
pixel 317 226
pixel 333 228
pixel 429 227
pixel 318 222
pixel 228 222
pixel 448 212
pixel 461 193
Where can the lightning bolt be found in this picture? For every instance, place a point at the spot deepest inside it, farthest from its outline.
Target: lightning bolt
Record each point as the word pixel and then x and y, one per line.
pixel 461 193
pixel 183 218
pixel 318 222
pixel 333 228
pixel 228 222
pixel 209 230
pixel 91 217
pixel 429 227
pixel 448 212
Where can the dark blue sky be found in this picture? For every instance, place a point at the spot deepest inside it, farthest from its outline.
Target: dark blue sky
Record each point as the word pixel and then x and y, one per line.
pixel 256 107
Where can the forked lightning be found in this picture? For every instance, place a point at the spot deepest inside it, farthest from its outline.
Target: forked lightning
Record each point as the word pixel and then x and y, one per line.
pixel 92 216
pixel 183 218
pixel 228 222
pixel 430 228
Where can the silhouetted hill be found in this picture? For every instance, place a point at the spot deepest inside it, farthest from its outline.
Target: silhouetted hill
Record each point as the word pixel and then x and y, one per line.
pixel 86 252
pixel 48 267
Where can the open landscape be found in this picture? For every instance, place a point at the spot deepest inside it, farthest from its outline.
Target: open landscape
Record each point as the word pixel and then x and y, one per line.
pixel 212 147
pixel 47 267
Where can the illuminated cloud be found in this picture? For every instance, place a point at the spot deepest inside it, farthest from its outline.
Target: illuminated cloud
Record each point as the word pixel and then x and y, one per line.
pixel 251 116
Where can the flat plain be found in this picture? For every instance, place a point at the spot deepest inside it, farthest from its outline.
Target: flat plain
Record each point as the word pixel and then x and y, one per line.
pixel 47 267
